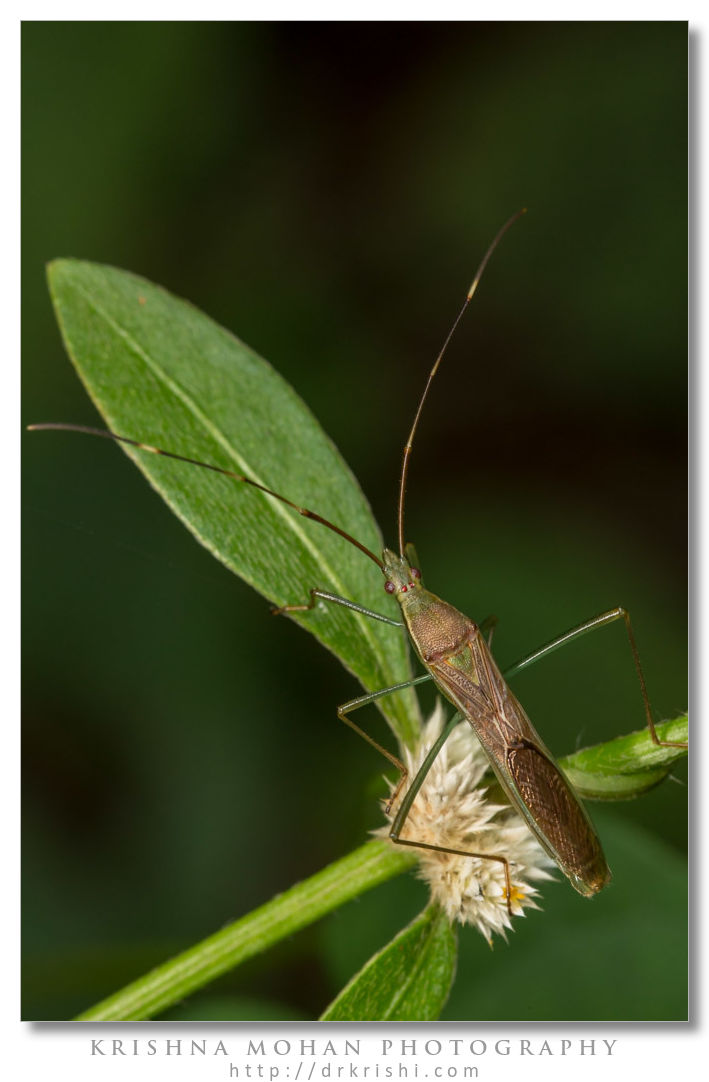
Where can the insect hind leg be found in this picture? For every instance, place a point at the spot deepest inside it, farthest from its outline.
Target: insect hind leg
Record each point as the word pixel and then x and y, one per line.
pixel 411 794
pixel 605 618
pixel 464 853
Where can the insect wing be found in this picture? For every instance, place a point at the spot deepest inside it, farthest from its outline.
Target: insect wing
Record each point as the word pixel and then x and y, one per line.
pixel 525 769
pixel 551 805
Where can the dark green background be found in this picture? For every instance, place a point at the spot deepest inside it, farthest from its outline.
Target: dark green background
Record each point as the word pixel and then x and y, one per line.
pixel 325 191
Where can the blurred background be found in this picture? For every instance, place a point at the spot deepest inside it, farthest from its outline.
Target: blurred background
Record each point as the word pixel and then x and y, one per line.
pixel 326 192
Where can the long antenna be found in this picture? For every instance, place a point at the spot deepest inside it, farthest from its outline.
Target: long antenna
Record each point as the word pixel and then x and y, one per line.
pixel 439 358
pixel 105 434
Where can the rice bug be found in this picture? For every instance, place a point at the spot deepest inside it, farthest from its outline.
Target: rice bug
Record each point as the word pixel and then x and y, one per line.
pixel 456 656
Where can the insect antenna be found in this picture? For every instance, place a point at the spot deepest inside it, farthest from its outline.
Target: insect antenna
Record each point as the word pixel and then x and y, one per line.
pixel 305 511
pixel 439 358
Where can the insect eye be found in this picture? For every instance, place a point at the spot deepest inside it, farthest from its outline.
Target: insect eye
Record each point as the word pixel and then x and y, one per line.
pixel 415 573
pixel 389 587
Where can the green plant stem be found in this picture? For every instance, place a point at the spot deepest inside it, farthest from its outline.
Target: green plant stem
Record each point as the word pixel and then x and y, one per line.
pixel 619 769
pixel 304 903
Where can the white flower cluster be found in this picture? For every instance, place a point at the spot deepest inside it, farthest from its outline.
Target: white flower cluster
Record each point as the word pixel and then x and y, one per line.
pixel 451 811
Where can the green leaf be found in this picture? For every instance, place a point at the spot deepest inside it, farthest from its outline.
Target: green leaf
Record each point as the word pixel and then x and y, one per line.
pixel 627 766
pixel 408 981
pixel 161 372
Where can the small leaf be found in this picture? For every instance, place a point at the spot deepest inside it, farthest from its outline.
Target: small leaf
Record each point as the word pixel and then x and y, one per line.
pixel 162 372
pixel 408 981
pixel 627 766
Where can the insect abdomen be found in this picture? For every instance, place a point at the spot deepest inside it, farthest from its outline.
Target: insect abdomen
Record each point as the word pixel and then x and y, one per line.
pixel 557 817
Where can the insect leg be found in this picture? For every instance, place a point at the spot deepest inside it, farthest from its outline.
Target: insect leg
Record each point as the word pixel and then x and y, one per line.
pixel 487 627
pixel 603 620
pixel 323 595
pixel 418 781
pixel 407 802
pixel 364 700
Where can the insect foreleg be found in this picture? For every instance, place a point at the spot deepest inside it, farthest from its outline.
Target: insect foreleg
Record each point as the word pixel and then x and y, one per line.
pixel 603 620
pixel 323 595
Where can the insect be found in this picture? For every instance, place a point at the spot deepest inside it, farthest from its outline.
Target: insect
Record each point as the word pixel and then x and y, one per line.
pixel 455 653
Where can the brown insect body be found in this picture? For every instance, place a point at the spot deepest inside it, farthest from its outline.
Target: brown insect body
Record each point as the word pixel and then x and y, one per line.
pixel 457 657
pixel 455 653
